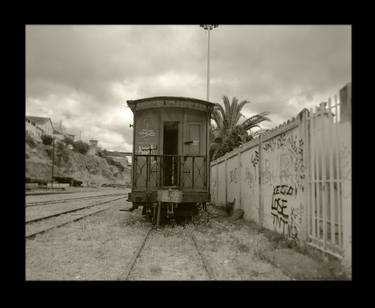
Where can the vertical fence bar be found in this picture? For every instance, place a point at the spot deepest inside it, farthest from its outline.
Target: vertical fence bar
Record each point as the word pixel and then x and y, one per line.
pixel 341 243
pixel 260 172
pixel 240 178
pixel 217 182
pixel 324 169
pixel 304 206
pixel 318 154
pixel 324 173
pixel 313 173
pixel 226 179
pixel 338 178
pixel 331 178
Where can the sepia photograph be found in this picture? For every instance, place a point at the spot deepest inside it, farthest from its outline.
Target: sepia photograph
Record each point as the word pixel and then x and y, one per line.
pixel 191 152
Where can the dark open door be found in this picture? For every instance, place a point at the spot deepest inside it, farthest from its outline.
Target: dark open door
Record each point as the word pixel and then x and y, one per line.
pixel 170 147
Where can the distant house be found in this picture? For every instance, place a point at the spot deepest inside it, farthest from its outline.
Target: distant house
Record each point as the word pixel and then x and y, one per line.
pixel 33 130
pixel 93 147
pixel 58 135
pixel 44 124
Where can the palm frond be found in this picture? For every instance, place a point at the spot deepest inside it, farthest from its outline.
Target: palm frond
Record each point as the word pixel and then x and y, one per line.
pixel 239 108
pixel 232 115
pixel 255 120
pixel 217 117
pixel 226 104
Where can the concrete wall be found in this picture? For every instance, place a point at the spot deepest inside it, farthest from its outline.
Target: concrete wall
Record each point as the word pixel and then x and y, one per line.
pixel 281 183
pixel 265 178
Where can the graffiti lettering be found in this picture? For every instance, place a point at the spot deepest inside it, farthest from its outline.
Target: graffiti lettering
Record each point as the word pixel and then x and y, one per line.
pixel 283 190
pixel 293 225
pixel 266 174
pixel 281 140
pixel 279 205
pixel 147 133
pixel 285 166
pixel 255 158
pixel 281 218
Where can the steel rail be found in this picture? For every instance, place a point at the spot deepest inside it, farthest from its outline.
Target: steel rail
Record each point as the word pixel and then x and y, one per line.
pixel 68 199
pixel 33 234
pixel 69 211
pixel 205 263
pixel 125 275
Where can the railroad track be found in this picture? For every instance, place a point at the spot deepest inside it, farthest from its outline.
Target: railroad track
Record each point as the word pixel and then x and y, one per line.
pixel 69 199
pixel 72 219
pixel 126 274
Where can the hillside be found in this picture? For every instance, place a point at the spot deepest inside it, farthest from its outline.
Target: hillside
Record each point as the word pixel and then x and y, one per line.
pixel 90 169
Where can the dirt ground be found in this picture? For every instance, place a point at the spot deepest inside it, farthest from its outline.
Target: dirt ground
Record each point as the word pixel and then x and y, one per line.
pixel 100 247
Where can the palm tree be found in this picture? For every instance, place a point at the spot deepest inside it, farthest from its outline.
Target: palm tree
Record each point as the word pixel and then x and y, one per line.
pixel 228 133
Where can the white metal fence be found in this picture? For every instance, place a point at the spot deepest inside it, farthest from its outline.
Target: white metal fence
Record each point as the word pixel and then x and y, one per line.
pixel 329 150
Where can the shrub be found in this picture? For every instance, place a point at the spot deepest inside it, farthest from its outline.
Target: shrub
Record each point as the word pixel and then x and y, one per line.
pixel 30 140
pixel 68 141
pixel 112 162
pixel 61 153
pixel 47 139
pixel 81 147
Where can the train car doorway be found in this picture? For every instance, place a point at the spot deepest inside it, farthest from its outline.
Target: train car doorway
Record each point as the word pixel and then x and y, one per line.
pixel 170 148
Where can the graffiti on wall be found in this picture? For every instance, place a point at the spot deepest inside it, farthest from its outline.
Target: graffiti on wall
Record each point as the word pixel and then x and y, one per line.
pixel 233 176
pixel 249 177
pixel 286 219
pixel 292 167
pixel 285 168
pixel 295 147
pixel 266 173
pixel 255 158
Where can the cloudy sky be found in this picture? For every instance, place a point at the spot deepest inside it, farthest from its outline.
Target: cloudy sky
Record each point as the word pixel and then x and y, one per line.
pixel 83 75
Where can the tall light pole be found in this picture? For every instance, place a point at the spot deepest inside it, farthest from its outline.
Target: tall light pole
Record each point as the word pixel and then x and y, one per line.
pixel 208 28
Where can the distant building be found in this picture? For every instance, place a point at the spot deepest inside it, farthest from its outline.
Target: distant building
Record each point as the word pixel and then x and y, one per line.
pixel 58 135
pixel 93 150
pixel 37 126
pixel 33 130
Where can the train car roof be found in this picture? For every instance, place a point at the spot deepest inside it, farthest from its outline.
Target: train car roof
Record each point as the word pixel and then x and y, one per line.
pixel 133 103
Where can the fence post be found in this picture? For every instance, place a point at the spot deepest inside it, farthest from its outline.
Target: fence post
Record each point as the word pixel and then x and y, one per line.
pixel 239 180
pixel 261 203
pixel 226 179
pixel 304 197
pixel 346 171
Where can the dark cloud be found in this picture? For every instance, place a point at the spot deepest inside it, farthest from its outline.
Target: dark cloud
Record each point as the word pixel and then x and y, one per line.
pixel 83 75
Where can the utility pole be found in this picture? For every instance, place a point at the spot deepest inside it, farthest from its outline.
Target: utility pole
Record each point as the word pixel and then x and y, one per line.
pixel 209 28
pixel 53 159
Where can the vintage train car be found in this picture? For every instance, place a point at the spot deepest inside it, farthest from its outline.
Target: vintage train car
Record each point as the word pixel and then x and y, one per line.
pixel 170 173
